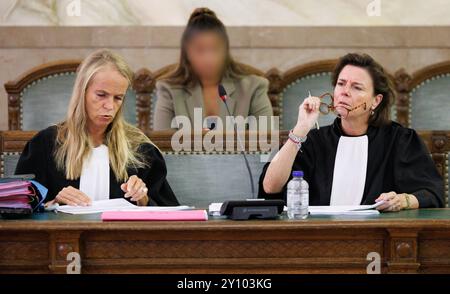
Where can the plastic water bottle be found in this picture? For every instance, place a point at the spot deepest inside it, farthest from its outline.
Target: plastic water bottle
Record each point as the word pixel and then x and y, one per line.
pixel 297 196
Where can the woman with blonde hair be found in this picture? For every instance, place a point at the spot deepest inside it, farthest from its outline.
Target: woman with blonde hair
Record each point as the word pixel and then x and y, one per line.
pixel 94 154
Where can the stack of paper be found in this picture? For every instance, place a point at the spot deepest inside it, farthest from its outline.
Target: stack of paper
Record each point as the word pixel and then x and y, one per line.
pixel 214 209
pixel 345 209
pixel 119 204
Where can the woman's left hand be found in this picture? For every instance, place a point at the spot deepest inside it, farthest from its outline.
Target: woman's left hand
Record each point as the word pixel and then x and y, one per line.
pixel 393 202
pixel 396 202
pixel 136 189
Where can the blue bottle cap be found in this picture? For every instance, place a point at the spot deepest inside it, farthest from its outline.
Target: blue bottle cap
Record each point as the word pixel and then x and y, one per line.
pixel 297 174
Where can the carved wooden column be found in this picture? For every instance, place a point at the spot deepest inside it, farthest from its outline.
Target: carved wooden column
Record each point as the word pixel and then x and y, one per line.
pixel 14 111
pixel 402 251
pixel 143 84
pixel 275 87
pixel 402 85
pixel 439 148
pixel 61 244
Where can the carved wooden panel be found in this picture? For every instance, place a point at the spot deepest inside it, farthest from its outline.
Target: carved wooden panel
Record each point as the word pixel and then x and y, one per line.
pixel 311 246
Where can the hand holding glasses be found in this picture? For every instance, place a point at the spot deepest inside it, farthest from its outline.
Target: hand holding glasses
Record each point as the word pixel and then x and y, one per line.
pixel 327 106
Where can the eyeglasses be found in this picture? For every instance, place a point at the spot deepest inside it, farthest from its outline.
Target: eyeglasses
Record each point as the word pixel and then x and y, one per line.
pixel 327 106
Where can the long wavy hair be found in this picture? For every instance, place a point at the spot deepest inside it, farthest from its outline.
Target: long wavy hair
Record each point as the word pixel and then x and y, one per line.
pixel 203 20
pixel 73 143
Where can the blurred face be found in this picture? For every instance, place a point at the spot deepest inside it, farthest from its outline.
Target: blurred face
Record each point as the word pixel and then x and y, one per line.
pixel 354 94
pixel 104 97
pixel 206 52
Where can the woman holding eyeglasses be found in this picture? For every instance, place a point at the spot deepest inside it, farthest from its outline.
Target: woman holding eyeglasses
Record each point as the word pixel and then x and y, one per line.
pixel 363 157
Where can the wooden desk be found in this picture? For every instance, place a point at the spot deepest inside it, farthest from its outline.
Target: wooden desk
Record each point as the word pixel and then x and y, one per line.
pixel 408 241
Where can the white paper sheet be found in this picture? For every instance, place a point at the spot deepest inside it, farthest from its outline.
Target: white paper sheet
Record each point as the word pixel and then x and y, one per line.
pixel 214 209
pixel 119 204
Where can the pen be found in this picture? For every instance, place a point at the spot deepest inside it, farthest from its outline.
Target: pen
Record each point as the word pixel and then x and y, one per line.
pixel 317 124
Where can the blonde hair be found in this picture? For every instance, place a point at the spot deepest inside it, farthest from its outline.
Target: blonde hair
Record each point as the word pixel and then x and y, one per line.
pixel 73 141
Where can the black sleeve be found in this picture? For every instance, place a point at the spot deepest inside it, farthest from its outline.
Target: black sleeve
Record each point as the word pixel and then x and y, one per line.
pixel 34 158
pixel 304 161
pixel 415 172
pixel 154 176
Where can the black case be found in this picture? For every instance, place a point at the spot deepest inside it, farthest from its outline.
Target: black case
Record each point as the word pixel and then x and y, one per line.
pixel 252 209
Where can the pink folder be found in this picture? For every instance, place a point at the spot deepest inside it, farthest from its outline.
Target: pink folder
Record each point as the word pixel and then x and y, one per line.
pixel 182 215
pixel 15 188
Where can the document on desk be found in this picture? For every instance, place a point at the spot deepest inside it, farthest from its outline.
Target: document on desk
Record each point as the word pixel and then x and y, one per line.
pixel 346 209
pixel 119 204
pixel 214 209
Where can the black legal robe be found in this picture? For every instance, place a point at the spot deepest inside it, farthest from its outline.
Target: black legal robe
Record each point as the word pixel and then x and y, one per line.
pixel 397 161
pixel 38 158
